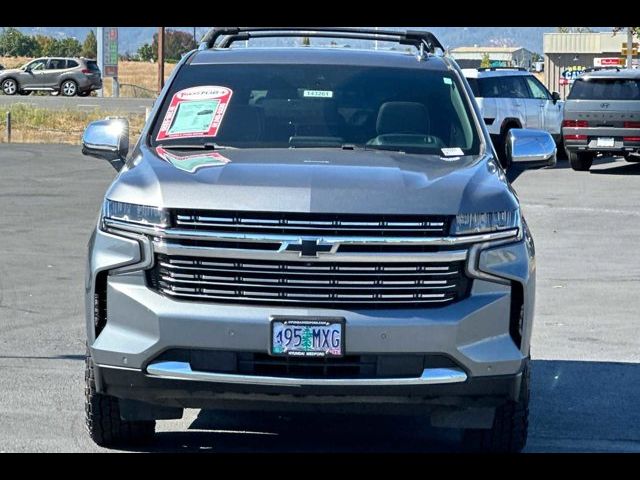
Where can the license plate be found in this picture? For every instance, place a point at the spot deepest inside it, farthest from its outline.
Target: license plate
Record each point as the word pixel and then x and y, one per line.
pixel 307 338
pixel 606 142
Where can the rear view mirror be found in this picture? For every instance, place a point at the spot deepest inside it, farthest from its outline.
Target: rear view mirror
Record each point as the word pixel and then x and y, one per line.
pixel 529 147
pixel 107 139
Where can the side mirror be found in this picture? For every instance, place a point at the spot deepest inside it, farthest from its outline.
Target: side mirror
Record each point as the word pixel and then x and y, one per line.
pixel 529 147
pixel 107 139
pixel 555 96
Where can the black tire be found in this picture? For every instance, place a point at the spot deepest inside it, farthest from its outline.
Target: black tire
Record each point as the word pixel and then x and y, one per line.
pixel 86 93
pixel 10 86
pixel 25 92
pixel 503 148
pixel 103 422
pixel 69 88
pixel 580 161
pixel 510 425
pixel 561 153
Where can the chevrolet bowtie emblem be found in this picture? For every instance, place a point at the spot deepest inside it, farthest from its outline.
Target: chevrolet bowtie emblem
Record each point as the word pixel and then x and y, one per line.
pixel 307 248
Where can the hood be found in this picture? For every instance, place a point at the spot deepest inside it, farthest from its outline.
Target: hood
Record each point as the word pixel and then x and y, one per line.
pixel 313 180
pixel 9 70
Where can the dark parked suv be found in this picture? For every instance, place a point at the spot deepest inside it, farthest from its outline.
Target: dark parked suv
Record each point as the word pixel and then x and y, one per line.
pixel 316 229
pixel 602 116
pixel 67 76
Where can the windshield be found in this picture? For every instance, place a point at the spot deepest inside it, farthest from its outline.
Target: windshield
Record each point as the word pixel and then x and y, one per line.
pixel 605 89
pixel 294 105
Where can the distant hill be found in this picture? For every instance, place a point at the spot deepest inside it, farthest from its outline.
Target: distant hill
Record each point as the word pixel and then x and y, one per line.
pixel 131 38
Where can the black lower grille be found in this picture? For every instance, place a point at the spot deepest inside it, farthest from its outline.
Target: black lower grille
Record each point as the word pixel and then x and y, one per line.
pixel 349 366
pixel 305 283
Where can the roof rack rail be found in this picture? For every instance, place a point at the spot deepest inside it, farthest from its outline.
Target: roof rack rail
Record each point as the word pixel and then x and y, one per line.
pixel 484 69
pixel 228 35
pixel 606 67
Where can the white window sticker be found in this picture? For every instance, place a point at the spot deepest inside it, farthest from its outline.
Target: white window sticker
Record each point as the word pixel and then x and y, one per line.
pixel 317 93
pixel 195 112
pixel 452 152
pixel 447 81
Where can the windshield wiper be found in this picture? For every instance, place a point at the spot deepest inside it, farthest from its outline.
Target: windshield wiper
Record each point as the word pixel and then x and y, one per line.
pixel 194 146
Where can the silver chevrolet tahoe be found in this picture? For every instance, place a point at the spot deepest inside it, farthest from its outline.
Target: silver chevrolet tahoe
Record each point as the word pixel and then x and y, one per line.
pixel 316 229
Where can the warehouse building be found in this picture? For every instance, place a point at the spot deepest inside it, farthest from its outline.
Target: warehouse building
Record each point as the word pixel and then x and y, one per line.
pixel 568 55
pixel 471 57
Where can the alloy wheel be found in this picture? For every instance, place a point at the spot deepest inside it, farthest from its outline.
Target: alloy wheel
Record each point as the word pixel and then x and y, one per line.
pixel 69 88
pixel 9 87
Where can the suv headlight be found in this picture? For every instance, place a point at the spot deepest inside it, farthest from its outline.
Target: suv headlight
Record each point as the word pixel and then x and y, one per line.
pixel 142 215
pixel 472 223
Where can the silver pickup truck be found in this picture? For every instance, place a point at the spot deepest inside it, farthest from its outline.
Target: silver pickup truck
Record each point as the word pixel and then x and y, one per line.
pixel 602 116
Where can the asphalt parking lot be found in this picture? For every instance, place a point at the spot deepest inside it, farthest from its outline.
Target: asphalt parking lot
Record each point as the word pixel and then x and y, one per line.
pixel 586 350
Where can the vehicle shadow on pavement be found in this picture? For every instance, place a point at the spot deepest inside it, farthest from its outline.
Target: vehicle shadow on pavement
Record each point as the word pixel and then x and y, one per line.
pixel 625 168
pixel 576 406
pixel 516 170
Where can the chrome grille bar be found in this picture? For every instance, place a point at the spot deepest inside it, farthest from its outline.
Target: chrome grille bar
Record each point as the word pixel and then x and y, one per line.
pixel 308 283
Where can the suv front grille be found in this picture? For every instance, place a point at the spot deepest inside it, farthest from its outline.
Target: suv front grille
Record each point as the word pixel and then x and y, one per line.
pixel 304 283
pixel 313 224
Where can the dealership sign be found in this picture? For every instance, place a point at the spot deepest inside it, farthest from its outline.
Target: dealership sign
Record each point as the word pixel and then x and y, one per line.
pixel 571 73
pixel 608 61
pixel 109 51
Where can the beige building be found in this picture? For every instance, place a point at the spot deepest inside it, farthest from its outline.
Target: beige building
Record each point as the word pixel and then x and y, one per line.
pixel 471 57
pixel 567 55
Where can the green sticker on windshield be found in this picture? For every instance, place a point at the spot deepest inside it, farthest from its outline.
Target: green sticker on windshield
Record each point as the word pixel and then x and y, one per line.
pixel 193 116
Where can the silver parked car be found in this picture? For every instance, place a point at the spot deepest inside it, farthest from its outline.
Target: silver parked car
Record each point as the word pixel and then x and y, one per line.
pixel 67 76
pixel 602 116
pixel 319 229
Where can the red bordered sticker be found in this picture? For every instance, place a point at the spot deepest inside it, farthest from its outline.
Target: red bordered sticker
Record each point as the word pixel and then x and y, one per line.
pixel 193 163
pixel 195 112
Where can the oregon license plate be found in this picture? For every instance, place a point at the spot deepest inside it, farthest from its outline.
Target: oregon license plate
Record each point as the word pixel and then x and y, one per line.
pixel 307 338
pixel 605 142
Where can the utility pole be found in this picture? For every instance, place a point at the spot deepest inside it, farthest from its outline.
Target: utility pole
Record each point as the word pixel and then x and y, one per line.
pixel 100 53
pixel 629 47
pixel 160 58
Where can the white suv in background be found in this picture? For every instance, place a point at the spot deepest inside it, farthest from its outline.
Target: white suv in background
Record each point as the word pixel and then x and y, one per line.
pixel 511 97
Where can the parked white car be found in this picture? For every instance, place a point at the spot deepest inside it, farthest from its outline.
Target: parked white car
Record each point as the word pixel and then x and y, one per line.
pixel 514 98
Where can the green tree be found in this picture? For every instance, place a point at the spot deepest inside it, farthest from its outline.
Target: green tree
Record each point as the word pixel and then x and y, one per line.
pixel 306 42
pixel 90 46
pixel 636 30
pixel 145 53
pixel 68 47
pixel 486 61
pixel 45 45
pixel 176 44
pixel 14 43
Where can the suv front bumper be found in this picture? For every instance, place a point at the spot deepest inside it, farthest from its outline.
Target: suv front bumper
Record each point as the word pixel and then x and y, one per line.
pixel 477 333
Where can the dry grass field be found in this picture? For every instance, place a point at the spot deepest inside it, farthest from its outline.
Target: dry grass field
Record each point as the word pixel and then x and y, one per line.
pixel 31 124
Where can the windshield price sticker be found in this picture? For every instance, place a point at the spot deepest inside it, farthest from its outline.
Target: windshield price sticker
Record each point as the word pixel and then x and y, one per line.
pixel 195 112
pixel 192 163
